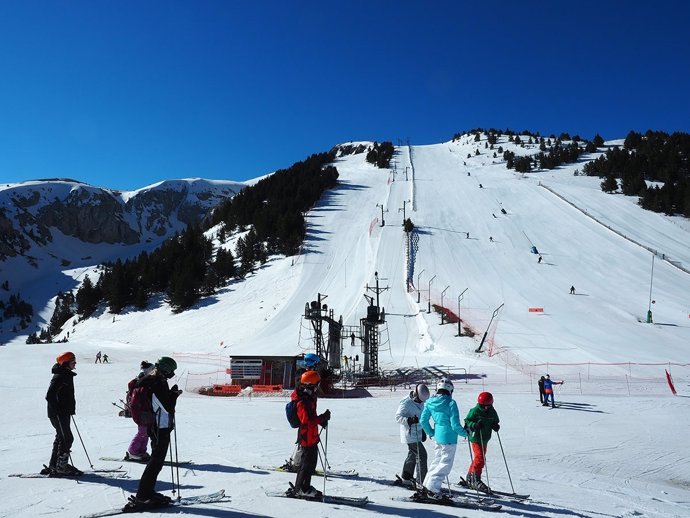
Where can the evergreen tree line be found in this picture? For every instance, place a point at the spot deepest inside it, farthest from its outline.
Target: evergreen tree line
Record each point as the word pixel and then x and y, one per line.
pixel 653 157
pixel 381 154
pixel 16 307
pixel 274 207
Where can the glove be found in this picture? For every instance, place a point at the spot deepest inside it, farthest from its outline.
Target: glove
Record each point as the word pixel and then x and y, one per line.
pixel 412 420
pixel 477 426
pixel 496 427
pixel 175 390
pixel 325 417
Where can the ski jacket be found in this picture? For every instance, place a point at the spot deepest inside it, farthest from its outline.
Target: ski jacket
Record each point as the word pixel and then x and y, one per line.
pixel 488 418
pixel 163 399
pixel 540 384
pixel 444 411
pixel 60 395
pixel 308 431
pixel 408 407
pixel 548 385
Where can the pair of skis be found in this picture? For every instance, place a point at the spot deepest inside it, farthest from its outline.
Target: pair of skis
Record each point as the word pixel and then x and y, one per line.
pixel 325 499
pixel 211 498
pixel 331 472
pixel 492 492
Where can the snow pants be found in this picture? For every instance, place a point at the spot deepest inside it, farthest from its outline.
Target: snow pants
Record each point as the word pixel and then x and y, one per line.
pixel 415 449
pixel 160 440
pixel 140 441
pixel 478 459
pixel 444 455
pixel 307 467
pixel 63 438
pixel 546 398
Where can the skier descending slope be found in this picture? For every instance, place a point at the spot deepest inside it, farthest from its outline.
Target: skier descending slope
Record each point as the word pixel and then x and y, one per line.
pixel 443 409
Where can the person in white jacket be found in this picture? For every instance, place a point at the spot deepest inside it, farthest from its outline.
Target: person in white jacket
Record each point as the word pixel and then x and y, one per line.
pixel 411 433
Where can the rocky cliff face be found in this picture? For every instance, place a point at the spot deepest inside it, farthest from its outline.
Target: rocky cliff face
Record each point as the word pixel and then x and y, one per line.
pixel 31 212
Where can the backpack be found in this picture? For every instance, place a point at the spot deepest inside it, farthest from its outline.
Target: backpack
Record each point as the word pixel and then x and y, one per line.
pixel 140 406
pixel 291 414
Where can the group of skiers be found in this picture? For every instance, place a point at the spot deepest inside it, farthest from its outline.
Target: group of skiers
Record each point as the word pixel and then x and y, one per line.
pixel 154 414
pixel 415 414
pixel 546 385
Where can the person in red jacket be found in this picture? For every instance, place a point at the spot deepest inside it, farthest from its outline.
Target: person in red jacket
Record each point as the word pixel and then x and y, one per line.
pixel 308 436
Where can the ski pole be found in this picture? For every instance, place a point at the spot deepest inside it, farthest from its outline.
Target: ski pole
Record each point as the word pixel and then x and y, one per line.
pixel 172 468
pixel 506 462
pixel 486 466
pixel 177 465
pixel 82 443
pixel 118 406
pixel 325 462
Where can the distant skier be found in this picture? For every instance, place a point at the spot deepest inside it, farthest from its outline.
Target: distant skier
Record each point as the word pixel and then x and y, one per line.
pixel 467 235
pixel 305 395
pixel 163 400
pixel 105 358
pixel 572 290
pixel 443 409
pixel 548 391
pixel 140 441
pixel 540 384
pixel 98 357
pixel 61 407
pixel 491 239
pixel 481 420
pixel 411 433
pixel 539 260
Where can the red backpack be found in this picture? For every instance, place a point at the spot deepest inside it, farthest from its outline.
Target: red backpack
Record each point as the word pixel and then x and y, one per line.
pixel 139 402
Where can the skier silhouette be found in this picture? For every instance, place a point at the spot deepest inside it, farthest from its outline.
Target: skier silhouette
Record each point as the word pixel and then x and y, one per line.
pixel 572 290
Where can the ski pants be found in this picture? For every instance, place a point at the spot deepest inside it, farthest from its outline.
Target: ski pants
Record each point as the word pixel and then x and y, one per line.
pixel 160 440
pixel 307 467
pixel 140 441
pixel 546 398
pixel 478 459
pixel 541 396
pixel 63 438
pixel 414 450
pixel 444 455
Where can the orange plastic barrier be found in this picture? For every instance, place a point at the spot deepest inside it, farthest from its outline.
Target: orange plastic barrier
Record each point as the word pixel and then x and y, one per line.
pixel 227 389
pixel 536 310
pixel 267 388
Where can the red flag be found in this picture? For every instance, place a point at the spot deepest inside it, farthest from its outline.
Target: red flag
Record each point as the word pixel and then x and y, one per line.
pixel 670 382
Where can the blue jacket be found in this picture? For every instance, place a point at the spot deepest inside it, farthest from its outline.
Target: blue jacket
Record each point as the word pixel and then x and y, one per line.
pixel 444 411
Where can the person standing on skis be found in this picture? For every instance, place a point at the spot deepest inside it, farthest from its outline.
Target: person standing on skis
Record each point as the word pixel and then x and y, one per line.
pixel 443 409
pixel 548 391
pixel 480 421
pixel 305 395
pixel 61 407
pixel 163 400
pixel 542 394
pixel 411 433
pixel 137 447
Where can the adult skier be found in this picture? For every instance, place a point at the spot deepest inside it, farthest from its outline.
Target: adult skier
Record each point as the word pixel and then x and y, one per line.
pixel 61 408
pixel 140 441
pixel 305 395
pixel 163 399
pixel 443 409
pixel 542 394
pixel 411 433
pixel 548 391
pixel 480 421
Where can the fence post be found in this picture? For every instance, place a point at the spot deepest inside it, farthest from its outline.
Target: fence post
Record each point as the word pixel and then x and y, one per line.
pixel 579 375
pixel 628 383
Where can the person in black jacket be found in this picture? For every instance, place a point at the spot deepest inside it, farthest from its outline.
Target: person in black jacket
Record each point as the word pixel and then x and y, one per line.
pixel 542 394
pixel 163 400
pixel 61 407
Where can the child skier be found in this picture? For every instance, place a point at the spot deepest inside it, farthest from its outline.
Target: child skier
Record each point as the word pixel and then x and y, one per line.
pixel 412 434
pixel 548 391
pixel 305 395
pixel 480 421
pixel 444 411
pixel 163 400
pixel 137 447
pixel 61 407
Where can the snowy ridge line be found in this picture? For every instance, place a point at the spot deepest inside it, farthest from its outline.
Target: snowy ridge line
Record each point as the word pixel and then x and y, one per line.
pixel 662 257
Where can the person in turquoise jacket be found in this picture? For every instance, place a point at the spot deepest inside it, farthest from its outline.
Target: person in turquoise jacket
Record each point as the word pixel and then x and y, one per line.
pixel 481 420
pixel 443 409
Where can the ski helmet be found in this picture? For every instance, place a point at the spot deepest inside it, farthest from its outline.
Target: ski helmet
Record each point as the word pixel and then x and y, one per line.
pixel 310 378
pixel 421 392
pixel 311 360
pixel 485 398
pixel 445 384
pixel 65 357
pixel 167 366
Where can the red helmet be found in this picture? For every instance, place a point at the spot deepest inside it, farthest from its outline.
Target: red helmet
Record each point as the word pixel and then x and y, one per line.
pixel 65 357
pixel 485 398
pixel 310 378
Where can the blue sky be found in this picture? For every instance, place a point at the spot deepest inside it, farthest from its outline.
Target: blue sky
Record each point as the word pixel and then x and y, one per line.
pixel 123 94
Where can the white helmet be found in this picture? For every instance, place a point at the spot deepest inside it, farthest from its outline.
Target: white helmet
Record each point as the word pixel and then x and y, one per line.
pixel 445 384
pixel 421 392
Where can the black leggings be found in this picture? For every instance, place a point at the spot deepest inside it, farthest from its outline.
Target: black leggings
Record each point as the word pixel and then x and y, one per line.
pixel 160 440
pixel 63 437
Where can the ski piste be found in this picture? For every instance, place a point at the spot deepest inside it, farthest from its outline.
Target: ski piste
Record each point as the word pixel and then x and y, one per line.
pixel 450 501
pixel 318 472
pixel 492 492
pixel 134 461
pixel 211 498
pixel 326 499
